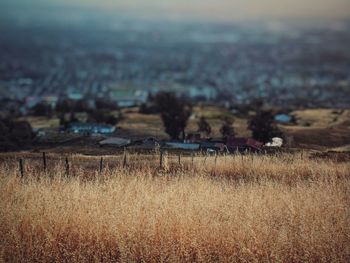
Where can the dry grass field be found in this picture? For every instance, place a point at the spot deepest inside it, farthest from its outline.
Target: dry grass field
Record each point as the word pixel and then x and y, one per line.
pixel 285 208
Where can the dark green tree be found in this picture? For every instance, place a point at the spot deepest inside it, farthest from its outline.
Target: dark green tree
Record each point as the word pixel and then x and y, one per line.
pixel 204 126
pixel 72 117
pixel 105 104
pixel 104 116
pixel 263 126
pixel 42 109
pixel 15 135
pixel 21 131
pixel 227 129
pixel 174 113
pixel 63 121
pixel 64 106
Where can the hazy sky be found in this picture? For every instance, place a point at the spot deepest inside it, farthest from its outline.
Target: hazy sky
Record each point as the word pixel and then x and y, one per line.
pixel 227 10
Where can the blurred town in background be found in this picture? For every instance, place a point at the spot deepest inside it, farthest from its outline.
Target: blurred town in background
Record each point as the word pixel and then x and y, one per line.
pixel 282 64
pixel 88 61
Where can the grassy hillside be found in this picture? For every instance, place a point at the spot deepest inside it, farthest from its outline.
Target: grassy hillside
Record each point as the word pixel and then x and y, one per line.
pixel 322 129
pixel 317 129
pixel 226 209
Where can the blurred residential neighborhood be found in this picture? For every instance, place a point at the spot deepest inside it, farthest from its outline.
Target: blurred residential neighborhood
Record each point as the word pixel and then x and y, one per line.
pixel 229 64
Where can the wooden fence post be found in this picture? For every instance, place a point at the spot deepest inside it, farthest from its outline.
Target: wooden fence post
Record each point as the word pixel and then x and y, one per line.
pixel 124 159
pixel 179 158
pixel 215 163
pixel 67 167
pixel 21 167
pixel 101 164
pixel 44 161
pixel 205 158
pixel 161 159
pixel 192 159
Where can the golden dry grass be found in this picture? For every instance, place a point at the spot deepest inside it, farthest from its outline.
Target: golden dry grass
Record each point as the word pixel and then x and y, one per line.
pixel 230 209
pixel 321 118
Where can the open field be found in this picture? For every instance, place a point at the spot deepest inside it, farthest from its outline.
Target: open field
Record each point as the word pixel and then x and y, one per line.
pixel 314 129
pixel 286 208
pixel 321 129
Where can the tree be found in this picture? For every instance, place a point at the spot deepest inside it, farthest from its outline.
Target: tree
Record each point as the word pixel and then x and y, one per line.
pixel 14 134
pixel 63 121
pixel 104 116
pixel 227 129
pixel 64 106
pixel 263 126
pixel 42 109
pixel 21 131
pixel 148 108
pixel 174 113
pixel 105 104
pixel 204 126
pixel 111 119
pixel 72 117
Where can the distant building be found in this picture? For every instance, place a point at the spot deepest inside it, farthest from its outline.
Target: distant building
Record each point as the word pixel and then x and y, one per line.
pixel 50 100
pixel 182 146
pixel 148 144
pixel 283 118
pixel 75 96
pixel 216 146
pixel 90 128
pixel 127 97
pixel 202 93
pixel 115 141
pixel 275 142
pixel 243 144
pixel 31 101
pixel 193 138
